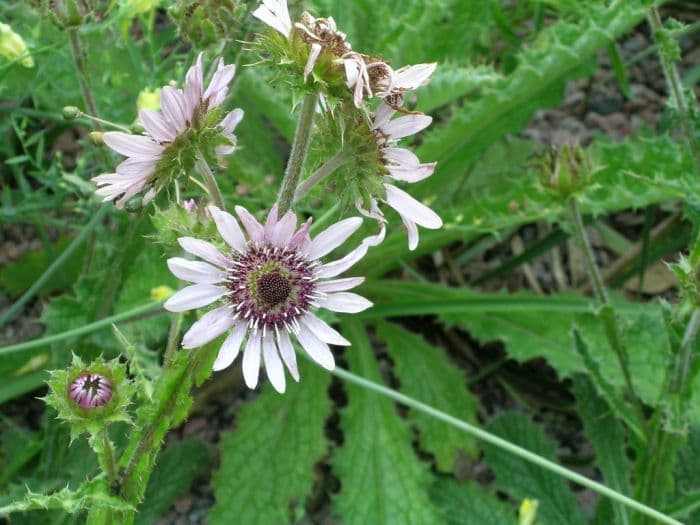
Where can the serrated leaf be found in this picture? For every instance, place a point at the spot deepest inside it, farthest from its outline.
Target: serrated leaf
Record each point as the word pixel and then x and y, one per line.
pixel 467 503
pixel 521 479
pixel 178 466
pixel 426 373
pixel 451 82
pixel 608 438
pixel 267 462
pixel 382 480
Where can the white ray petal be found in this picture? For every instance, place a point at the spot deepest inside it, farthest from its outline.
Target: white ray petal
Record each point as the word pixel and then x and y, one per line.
pixel 287 352
pixel 406 125
pixel 251 360
pixel 228 228
pixel 323 330
pixel 195 271
pixel 135 146
pixel 192 297
pixel 339 285
pixel 204 250
pixel 209 327
pixel 345 302
pixel 332 237
pixel 255 230
pixel 229 350
pixel 273 365
pixel 317 349
pixel 412 209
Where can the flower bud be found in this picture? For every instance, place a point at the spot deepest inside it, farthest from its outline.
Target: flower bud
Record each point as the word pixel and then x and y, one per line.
pixel 71 112
pixel 12 46
pixel 528 512
pixel 161 293
pixel 96 138
pixel 90 390
pixel 70 14
pixel 148 99
pixel 564 171
pixel 206 22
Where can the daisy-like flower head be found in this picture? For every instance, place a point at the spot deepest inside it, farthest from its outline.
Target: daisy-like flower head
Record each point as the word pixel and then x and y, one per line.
pixel 267 286
pixel 90 390
pixel 190 121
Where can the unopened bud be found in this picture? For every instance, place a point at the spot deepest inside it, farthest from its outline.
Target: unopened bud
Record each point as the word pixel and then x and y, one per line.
pixel 90 391
pixel 528 512
pixel 190 205
pixel 12 46
pixel 161 293
pixel 96 138
pixel 565 170
pixel 206 22
pixel 148 99
pixel 70 14
pixel 71 113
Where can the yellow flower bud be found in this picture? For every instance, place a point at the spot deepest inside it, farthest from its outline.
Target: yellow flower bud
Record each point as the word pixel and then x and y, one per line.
pixel 12 46
pixel 528 512
pixel 148 99
pixel 161 293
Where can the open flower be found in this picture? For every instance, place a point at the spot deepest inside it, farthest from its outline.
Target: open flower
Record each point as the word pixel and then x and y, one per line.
pixel 189 120
pixel 402 165
pixel 267 287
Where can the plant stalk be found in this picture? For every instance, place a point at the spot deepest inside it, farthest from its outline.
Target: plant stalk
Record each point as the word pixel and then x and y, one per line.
pixel 297 157
pixel 507 446
pixel 83 78
pixel 210 181
pixel 321 173
pixel 610 326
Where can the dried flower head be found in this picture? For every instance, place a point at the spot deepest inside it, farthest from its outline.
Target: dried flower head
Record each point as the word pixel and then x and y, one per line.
pixel 267 287
pixel 189 124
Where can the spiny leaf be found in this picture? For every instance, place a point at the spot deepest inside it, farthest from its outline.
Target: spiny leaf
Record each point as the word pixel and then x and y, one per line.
pixel 521 479
pixel 426 373
pixel 608 438
pixel 383 482
pixel 267 462
pixel 467 502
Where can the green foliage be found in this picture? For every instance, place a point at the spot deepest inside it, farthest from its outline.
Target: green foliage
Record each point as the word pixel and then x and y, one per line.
pixel 177 468
pixel 383 480
pixel 426 373
pixel 523 480
pixel 268 461
pixel 469 503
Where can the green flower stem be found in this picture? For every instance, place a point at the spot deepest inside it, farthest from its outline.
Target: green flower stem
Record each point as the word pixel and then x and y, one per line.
pixel 507 446
pixel 297 157
pixel 675 88
pixel 210 181
pixel 83 77
pixel 173 332
pixel 98 120
pixel 321 173
pixel 154 307
pixel 681 371
pixel 106 458
pixel 16 308
pixel 608 317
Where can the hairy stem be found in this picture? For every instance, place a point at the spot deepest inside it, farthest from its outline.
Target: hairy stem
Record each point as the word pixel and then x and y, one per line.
pixel 675 88
pixel 297 157
pixel 83 78
pixel 173 332
pixel 321 173
pixel 507 446
pixel 681 370
pixel 210 181
pixel 609 320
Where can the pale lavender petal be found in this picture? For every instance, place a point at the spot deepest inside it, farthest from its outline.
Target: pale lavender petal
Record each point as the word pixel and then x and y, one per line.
pixel 411 77
pixel 273 365
pixel 401 157
pixel 251 359
pixel 339 285
pixel 345 302
pixel 412 209
pixel 284 230
pixel 412 231
pixel 382 115
pixel 204 250
pixel 317 349
pixel 229 350
pixel 218 87
pixel 156 126
pixel 195 271
pixel 193 297
pixel 323 331
pixel 194 83
pixel 311 61
pixel 406 125
pixel 287 352
pixel 172 102
pixel 332 237
pixel 270 223
pixel 255 230
pixel 411 175
pixel 231 121
pixel 136 146
pixel 352 71
pixel 275 14
pixel 228 228
pixel 334 268
pixel 301 237
pixel 209 327
pixel 137 167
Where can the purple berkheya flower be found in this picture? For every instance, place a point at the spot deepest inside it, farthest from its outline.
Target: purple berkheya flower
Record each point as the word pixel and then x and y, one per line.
pixel 90 390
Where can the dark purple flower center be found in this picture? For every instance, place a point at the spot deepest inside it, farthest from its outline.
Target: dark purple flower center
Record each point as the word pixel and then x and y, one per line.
pixel 273 288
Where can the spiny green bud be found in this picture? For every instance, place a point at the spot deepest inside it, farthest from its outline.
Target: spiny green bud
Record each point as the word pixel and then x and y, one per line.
pixel 89 397
pixel 70 14
pixel 565 170
pixel 179 220
pixel 206 22
pixel 96 138
pixel 71 112
pixel 12 46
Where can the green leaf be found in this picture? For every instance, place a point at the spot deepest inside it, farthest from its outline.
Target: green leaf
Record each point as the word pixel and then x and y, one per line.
pixel 426 373
pixel 608 438
pixel 449 83
pixel 382 480
pixel 463 503
pixel 178 466
pixel 267 463
pixel 521 479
